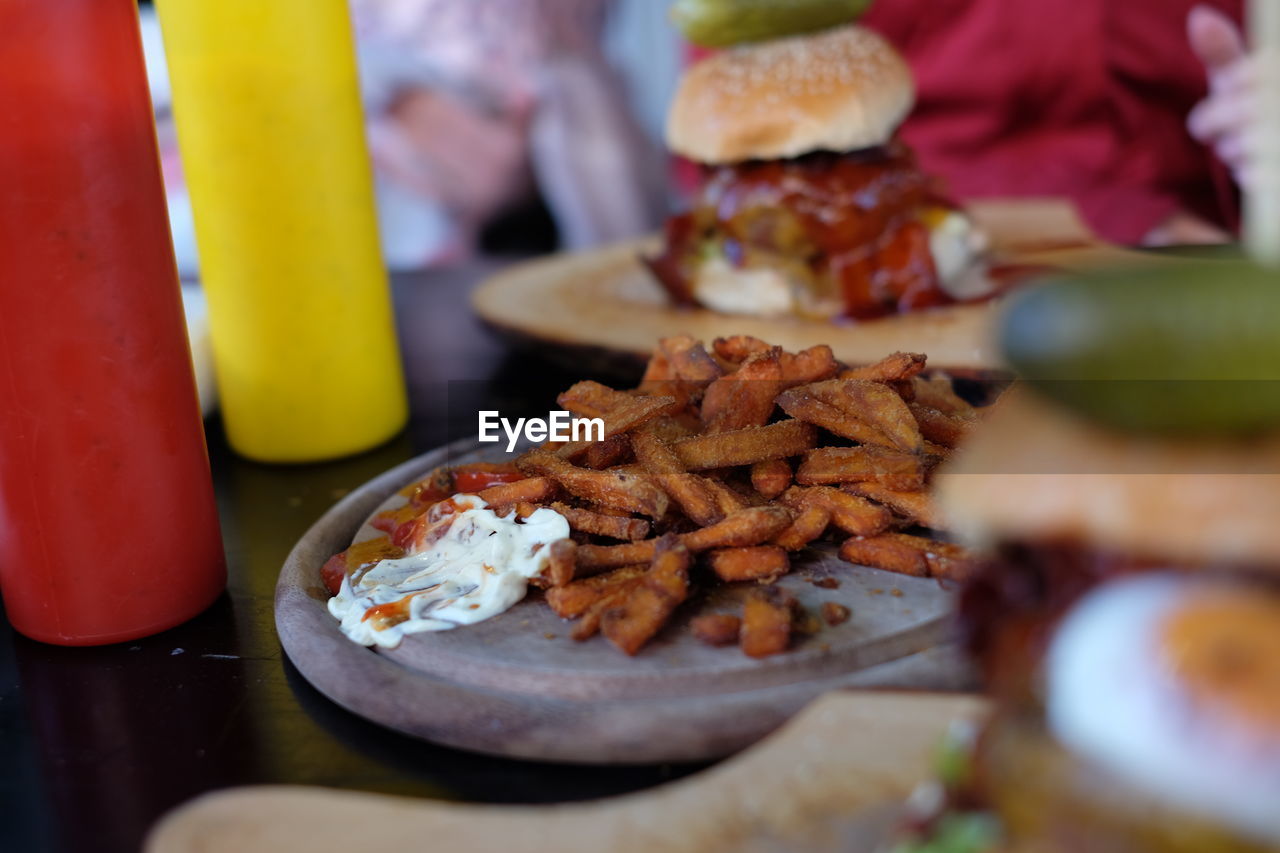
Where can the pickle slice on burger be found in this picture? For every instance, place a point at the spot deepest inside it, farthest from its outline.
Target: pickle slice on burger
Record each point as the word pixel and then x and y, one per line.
pixel 721 23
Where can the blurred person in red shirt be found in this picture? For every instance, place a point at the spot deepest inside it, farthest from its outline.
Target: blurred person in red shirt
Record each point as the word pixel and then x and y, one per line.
pixel 1085 99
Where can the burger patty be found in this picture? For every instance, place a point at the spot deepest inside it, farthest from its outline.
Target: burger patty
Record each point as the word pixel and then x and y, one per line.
pixel 1012 604
pixel 1010 607
pixel 848 227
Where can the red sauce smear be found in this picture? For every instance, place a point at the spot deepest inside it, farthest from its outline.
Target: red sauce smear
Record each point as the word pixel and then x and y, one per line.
pixel 359 556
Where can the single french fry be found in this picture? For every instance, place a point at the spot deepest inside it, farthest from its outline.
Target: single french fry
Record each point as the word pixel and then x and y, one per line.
pixel 523 509
pixel 654 456
pixel 610 488
pixel 905 389
pixel 802 405
pixel 851 514
pixel 745 397
pixel 810 523
pixel 941 428
pixel 894 469
pixel 588 625
pixel 766 622
pixel 746 446
pixel 884 552
pixel 628 416
pixel 690 360
pixel 750 526
pixel 610 511
pixel 672 428
pixel 749 564
pixel 868 463
pixel 648 607
pixel 561 563
pixel 876 405
pixel 593 559
pixel 918 506
pixel 680 368
pixel 688 490
pixel 572 600
pixel 591 399
pixel 737 348
pixel 693 495
pixel 771 477
pixel 893 368
pixel 658 369
pixel 909 555
pixel 727 500
pixel 605 454
pixel 598 524
pixel 938 393
pixel 948 560
pixel 628 469
pixel 716 629
pixel 530 490
pixel 811 365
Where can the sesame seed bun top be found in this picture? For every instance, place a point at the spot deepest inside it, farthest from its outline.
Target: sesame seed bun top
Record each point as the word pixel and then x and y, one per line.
pixel 838 90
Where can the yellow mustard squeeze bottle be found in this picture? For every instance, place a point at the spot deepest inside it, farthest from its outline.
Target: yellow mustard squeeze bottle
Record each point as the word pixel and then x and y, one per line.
pixel 267 107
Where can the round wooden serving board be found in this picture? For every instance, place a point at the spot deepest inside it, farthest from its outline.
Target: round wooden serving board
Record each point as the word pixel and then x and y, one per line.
pixel 517 685
pixel 604 306
pixel 833 779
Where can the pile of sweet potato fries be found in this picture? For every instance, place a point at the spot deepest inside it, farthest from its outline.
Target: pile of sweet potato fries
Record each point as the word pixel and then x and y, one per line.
pixel 719 468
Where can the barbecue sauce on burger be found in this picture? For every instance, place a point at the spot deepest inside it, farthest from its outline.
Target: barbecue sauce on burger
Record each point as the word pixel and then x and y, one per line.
pixel 852 227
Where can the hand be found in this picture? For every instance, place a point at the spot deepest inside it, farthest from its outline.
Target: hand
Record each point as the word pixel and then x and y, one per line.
pixel 1222 119
pixel 444 148
pixel 1185 229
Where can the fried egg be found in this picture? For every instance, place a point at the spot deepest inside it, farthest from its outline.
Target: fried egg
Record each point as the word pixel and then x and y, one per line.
pixel 1172 683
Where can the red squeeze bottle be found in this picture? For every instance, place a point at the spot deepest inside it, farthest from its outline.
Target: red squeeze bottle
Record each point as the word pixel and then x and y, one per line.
pixel 108 527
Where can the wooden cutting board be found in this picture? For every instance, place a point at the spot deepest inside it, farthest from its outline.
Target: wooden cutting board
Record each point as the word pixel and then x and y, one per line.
pixel 517 685
pixel 832 779
pixel 604 305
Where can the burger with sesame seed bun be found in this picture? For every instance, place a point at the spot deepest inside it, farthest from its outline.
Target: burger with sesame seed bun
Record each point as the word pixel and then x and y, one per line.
pixel 810 206
pixel 1127 624
pixel 1126 618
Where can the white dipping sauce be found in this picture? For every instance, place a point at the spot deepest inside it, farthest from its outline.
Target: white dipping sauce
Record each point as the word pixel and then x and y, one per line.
pixel 477 565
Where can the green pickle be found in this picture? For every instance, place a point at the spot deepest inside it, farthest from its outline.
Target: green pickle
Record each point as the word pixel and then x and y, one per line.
pixel 1191 349
pixel 721 23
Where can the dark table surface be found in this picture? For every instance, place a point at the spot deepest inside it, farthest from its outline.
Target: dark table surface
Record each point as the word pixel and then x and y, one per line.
pixel 97 743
